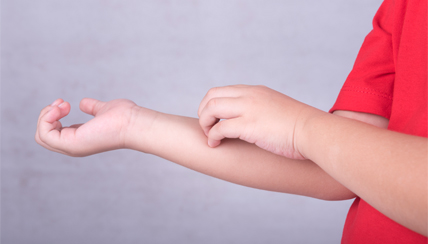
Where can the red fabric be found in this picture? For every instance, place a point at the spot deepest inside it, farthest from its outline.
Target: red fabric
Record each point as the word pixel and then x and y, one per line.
pixel 389 78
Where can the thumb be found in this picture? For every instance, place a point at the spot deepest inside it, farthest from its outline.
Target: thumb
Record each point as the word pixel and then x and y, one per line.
pixel 91 106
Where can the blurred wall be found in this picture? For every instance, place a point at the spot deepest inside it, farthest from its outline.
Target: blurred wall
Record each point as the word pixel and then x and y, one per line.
pixel 165 55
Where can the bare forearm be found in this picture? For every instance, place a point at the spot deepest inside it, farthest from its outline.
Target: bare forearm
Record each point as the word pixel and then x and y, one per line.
pixel 181 140
pixel 386 169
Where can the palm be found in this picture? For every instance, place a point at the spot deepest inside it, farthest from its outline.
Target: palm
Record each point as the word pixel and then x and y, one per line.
pixel 107 128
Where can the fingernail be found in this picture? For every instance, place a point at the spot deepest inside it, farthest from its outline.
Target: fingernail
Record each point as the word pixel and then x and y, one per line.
pixel 54 103
pixel 61 104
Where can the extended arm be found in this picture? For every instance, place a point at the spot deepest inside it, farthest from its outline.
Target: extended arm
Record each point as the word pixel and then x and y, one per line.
pixel 123 124
pixel 181 140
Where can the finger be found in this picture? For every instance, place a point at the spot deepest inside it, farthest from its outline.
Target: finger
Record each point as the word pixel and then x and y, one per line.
pixel 227 91
pixel 46 125
pixel 219 108
pixel 42 113
pixel 230 128
pixel 61 110
pixel 91 106
pixel 49 126
pixel 65 108
pixel 49 107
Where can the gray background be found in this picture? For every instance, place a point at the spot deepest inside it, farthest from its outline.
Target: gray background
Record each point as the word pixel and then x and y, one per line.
pixel 165 55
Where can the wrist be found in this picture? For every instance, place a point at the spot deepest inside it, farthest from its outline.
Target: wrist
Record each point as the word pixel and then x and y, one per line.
pixel 307 129
pixel 141 130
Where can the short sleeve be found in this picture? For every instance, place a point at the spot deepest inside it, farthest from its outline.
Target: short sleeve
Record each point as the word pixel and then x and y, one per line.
pixel 369 86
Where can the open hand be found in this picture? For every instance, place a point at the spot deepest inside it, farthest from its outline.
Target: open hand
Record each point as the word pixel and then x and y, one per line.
pixel 255 114
pixel 106 131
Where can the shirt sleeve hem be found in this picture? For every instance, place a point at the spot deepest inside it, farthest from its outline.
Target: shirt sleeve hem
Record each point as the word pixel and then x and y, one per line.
pixel 363 100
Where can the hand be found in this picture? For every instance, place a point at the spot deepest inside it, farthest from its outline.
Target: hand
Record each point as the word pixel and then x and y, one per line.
pixel 106 131
pixel 255 114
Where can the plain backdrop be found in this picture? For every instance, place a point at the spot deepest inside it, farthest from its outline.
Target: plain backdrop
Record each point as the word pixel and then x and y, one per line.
pixel 164 55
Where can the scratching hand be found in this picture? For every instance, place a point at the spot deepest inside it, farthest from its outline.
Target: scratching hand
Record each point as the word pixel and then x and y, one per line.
pixel 255 114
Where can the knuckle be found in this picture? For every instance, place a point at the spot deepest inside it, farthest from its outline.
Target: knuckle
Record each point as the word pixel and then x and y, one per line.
pixel 259 92
pixel 212 103
pixel 253 91
pixel 211 92
pixel 259 89
pixel 203 122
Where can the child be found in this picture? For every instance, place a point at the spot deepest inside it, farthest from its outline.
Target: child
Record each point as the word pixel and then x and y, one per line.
pixel 288 146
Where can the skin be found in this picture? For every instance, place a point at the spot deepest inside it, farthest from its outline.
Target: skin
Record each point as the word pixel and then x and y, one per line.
pixel 386 169
pixel 122 124
pixel 264 140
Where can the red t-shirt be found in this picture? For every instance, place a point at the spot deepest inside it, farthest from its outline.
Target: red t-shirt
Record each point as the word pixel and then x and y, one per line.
pixel 389 78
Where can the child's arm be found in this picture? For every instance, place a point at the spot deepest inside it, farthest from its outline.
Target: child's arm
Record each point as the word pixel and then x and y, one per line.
pixel 122 124
pixel 385 168
pixel 180 140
